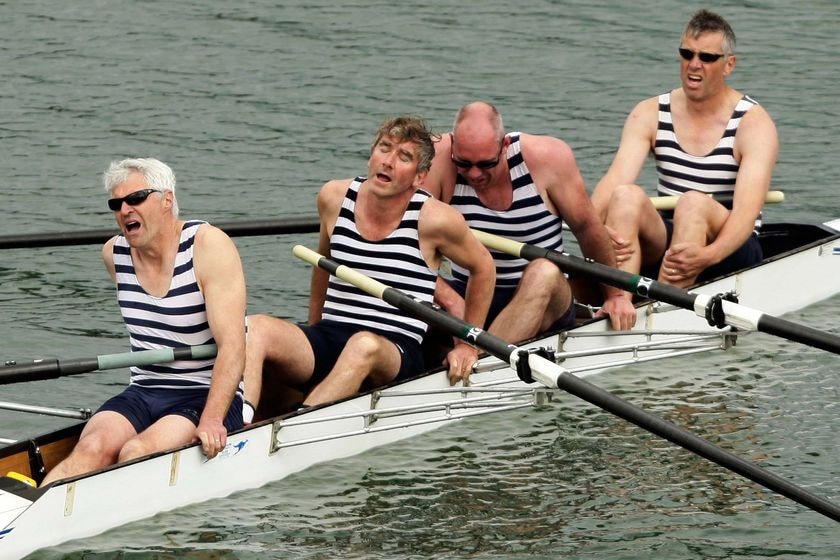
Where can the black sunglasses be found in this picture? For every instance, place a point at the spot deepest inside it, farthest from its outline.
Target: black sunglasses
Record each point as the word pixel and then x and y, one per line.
pixel 483 165
pixel 133 199
pixel 707 57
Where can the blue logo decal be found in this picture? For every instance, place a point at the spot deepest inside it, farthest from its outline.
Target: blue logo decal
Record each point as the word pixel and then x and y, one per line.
pixel 230 450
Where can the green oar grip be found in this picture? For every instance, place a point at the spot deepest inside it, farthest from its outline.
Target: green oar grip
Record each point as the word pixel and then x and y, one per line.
pixel 157 356
pixel 52 368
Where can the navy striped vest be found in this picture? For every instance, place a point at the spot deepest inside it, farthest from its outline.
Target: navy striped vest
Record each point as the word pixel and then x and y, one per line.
pixel 177 319
pixel 528 220
pixel 395 261
pixel 679 171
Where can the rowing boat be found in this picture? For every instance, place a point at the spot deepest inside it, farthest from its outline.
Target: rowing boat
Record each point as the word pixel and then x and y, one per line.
pixel 32 518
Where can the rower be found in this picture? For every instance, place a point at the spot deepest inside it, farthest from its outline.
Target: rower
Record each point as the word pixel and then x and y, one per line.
pixel 386 225
pixel 706 138
pixel 179 283
pixel 524 187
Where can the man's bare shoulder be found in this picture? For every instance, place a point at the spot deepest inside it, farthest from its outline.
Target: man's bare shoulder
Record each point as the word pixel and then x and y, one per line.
pixel 210 238
pixel 437 217
pixel 757 136
pixel 330 197
pixel 645 110
pixel 108 253
pixel 108 246
pixel 548 158
pixel 335 185
pixel 216 258
pixel 333 189
pixel 758 117
pixel 439 209
pixel 443 143
pixel 440 178
pixel 541 151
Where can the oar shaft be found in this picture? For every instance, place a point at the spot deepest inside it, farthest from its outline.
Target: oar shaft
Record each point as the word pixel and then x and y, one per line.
pixel 734 314
pixel 52 368
pixel 280 226
pixel 799 333
pixel 49 368
pixel 552 375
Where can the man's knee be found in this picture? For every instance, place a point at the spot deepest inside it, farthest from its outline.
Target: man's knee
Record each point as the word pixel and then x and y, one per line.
pixel 541 275
pixel 132 449
pixel 259 329
pixel 364 345
pixel 697 209
pixel 627 198
pixel 694 204
pixel 97 448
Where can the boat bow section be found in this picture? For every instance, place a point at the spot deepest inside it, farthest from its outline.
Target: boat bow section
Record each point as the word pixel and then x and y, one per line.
pixel 16 497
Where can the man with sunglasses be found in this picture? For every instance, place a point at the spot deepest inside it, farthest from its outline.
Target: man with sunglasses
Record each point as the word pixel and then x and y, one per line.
pixel 706 138
pixel 179 284
pixel 523 187
pixel 384 226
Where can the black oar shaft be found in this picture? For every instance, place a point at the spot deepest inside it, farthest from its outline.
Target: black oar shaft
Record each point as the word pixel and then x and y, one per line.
pixel 799 333
pixel 732 313
pixel 280 226
pixel 51 368
pixel 634 283
pixel 46 369
pixel 553 375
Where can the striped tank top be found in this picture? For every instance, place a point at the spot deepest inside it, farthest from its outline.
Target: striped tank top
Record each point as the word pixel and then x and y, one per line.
pixel 396 261
pixel 177 319
pixel 527 220
pixel 679 171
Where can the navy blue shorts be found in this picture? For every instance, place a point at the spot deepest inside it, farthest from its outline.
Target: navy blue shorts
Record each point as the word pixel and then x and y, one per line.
pixel 328 339
pixel 502 297
pixel 748 254
pixel 143 406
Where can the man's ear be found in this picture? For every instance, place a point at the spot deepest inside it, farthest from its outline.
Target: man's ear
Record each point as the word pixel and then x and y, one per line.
pixel 420 179
pixel 731 61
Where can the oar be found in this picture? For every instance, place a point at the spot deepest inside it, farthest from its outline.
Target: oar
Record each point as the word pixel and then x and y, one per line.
pixel 718 311
pixel 554 376
pixel 670 202
pixel 279 226
pixel 51 368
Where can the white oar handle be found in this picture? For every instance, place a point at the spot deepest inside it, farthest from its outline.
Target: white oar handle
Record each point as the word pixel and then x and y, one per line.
pixel 366 283
pixel 670 202
pixel 498 242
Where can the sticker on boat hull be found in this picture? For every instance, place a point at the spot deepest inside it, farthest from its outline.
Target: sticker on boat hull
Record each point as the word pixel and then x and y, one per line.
pixel 232 449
